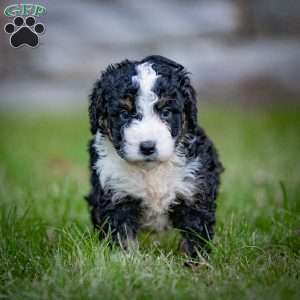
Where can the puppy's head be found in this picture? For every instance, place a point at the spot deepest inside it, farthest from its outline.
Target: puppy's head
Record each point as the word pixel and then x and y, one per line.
pixel 143 108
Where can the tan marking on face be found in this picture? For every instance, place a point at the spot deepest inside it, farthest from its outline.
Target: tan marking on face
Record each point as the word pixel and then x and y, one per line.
pixel 162 102
pixel 127 103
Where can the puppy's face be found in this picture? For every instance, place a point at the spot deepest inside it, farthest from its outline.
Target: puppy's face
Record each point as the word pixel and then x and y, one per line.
pixel 144 125
pixel 144 109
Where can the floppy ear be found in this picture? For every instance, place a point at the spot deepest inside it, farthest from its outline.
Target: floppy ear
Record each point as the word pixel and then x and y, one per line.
pixel 97 109
pixel 190 104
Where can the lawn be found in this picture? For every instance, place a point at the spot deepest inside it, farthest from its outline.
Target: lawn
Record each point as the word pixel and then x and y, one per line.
pixel 48 249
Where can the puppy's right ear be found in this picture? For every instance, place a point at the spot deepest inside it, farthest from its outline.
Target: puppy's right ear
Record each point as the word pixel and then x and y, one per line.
pixel 98 109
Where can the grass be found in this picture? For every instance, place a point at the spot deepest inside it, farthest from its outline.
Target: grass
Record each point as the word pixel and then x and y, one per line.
pixel 49 251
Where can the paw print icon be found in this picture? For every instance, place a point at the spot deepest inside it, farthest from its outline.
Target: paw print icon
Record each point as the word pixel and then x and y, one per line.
pixel 24 32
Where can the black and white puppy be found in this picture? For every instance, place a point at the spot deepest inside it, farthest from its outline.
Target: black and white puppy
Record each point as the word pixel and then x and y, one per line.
pixel 151 165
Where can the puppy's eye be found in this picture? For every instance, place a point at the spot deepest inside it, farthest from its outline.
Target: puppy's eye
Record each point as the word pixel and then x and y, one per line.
pixel 165 113
pixel 124 115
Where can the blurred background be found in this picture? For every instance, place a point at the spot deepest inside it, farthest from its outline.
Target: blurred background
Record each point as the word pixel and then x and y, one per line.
pixel 237 50
pixel 244 59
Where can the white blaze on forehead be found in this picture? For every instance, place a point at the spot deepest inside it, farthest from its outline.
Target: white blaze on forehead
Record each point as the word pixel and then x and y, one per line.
pixel 146 78
pixel 150 127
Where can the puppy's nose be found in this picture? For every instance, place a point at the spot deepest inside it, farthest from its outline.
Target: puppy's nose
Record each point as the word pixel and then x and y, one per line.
pixel 147 147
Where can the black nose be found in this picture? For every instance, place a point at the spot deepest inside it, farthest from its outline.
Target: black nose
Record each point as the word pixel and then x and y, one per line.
pixel 147 147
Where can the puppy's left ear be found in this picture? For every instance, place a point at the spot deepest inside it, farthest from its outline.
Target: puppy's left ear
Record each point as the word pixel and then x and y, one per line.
pixel 97 109
pixel 190 104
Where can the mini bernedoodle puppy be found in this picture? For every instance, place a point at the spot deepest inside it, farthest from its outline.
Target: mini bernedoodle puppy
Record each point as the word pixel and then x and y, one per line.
pixel 151 165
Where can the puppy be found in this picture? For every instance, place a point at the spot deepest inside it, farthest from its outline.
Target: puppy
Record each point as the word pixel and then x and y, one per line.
pixel 151 165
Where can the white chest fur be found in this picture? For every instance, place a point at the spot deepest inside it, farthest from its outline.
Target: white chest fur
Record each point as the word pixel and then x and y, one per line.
pixel 157 186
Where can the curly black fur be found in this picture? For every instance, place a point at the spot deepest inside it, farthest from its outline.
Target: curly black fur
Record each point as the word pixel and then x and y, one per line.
pixel 195 216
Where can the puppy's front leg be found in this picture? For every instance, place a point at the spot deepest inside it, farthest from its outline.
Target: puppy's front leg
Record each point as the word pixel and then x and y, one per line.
pixel 120 220
pixel 196 222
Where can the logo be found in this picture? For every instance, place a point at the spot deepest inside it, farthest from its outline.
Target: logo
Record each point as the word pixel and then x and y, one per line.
pixel 24 30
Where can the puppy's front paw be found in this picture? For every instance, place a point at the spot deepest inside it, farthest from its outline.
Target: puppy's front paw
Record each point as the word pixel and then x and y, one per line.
pixel 127 242
pixel 193 250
